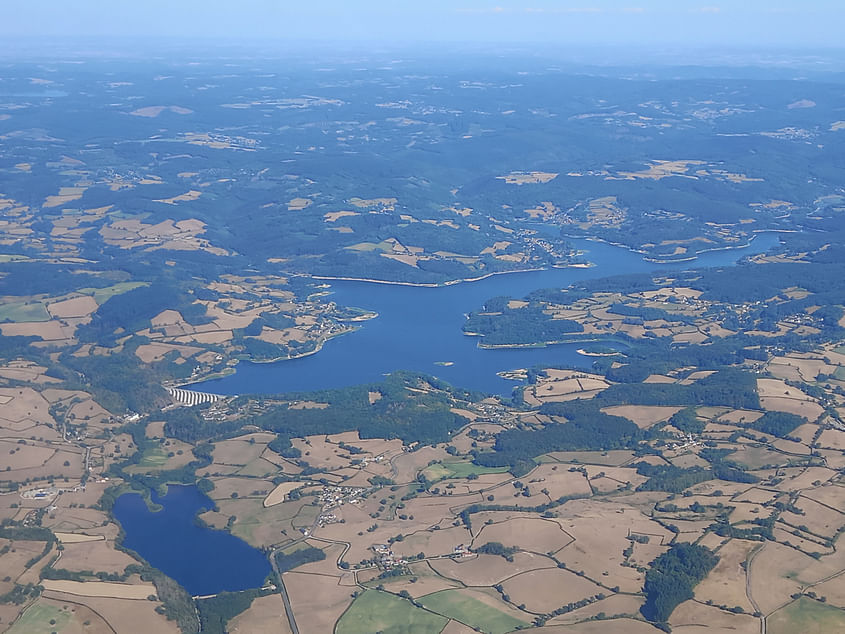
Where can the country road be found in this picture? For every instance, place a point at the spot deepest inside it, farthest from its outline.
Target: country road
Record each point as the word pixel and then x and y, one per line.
pixel 284 592
pixel 748 589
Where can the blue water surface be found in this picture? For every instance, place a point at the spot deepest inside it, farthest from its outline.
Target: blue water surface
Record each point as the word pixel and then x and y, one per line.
pixel 419 327
pixel 204 561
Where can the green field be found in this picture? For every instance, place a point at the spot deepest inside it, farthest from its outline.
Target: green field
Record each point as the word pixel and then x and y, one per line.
pixel 37 310
pixel 376 611
pixel 37 620
pixel 808 617
pixel 153 458
pixel 462 469
pixel 103 294
pixel 385 247
pixel 24 311
pixel 471 612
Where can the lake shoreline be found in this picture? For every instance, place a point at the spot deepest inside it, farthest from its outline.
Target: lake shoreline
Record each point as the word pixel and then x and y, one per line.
pixel 329 278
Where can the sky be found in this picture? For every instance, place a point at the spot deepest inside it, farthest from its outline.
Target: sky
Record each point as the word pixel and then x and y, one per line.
pixel 694 23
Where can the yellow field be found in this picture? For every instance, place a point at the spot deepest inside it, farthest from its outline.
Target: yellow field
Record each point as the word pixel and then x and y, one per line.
pixel 101 589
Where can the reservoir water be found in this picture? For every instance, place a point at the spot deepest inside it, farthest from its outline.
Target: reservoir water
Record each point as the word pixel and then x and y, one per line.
pixel 420 328
pixel 416 328
pixel 203 561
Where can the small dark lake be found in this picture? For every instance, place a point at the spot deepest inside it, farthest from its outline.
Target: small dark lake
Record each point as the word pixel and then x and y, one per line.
pixel 420 328
pixel 202 560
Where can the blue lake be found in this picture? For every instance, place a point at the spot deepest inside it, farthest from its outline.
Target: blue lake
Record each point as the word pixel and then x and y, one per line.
pixel 202 560
pixel 419 327
pixel 416 328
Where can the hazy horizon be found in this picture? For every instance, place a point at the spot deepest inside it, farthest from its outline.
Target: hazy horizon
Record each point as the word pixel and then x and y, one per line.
pixel 692 24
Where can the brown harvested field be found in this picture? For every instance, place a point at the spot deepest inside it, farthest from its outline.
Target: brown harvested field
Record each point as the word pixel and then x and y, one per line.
pixel 429 511
pixel 308 405
pixel 725 585
pixel 260 468
pixel 690 529
pixel 543 591
pixel 298 204
pixel 805 432
pixel 278 495
pixel 747 512
pixel 833 458
pixel 239 451
pixel 808 369
pixel 809 545
pixel 317 600
pixel 357 520
pixel 261 526
pixel 808 409
pixel 333 216
pixel 740 416
pixel 65 196
pixel 613 458
pixel 408 465
pixel 138 592
pixel 488 570
pixel 620 475
pixel 526 178
pixel 775 573
pixel 820 519
pixel 644 416
pixel 25 371
pixel 482 483
pixel 756 495
pixel 832 438
pixel 834 590
pixel 55 466
pixel 154 111
pixel 14 561
pixel 75 307
pixel 690 617
pixel 122 615
pixel 427 582
pixel 614 604
pixel 800 478
pixel 557 479
pixel 831 494
pixel 24 456
pixel 25 405
pixel 659 378
pixel 687 460
pixel 456 627
pixel 99 556
pixel 327 566
pixel 776 395
pixel 242 487
pixel 601 534
pixel 77 538
pixel 568 386
pixel 266 615
pixel 321 454
pixel 212 337
pixel 433 543
pixel 790 446
pixel 757 457
pixel 607 626
pixel 532 534
pixel 166 228
pixel 151 352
